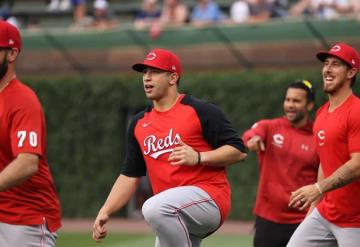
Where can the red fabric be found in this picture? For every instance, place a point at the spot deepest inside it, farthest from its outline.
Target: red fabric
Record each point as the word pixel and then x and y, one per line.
pixel 337 135
pixel 160 59
pixel 23 131
pixel 158 133
pixel 344 52
pixel 288 163
pixel 9 35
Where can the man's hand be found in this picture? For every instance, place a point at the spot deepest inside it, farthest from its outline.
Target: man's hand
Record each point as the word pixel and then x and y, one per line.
pixel 303 197
pixel 99 229
pixel 255 143
pixel 184 155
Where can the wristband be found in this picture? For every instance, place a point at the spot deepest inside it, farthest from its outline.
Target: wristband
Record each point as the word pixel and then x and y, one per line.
pixel 318 187
pixel 199 158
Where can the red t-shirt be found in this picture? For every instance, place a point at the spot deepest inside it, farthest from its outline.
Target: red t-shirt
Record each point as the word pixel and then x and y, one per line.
pixel 152 136
pixel 337 135
pixel 288 163
pixel 23 130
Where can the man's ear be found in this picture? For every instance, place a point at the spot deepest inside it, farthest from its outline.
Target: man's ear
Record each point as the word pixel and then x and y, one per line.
pixel 12 54
pixel 352 72
pixel 310 106
pixel 173 78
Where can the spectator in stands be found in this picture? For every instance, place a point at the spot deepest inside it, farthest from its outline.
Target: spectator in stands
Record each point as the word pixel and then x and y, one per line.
pixel 79 13
pixel 207 12
pixel 148 15
pixel 251 11
pixel 323 9
pixel 355 5
pixel 58 5
pixel 174 14
pixel 103 18
pixel 6 12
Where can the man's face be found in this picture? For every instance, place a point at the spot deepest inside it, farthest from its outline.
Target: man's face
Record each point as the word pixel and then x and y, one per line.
pixel 3 62
pixel 335 75
pixel 156 83
pixel 295 105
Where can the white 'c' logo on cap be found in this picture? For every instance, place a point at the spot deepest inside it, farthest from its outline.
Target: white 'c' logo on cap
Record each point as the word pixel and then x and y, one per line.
pixel 336 48
pixel 150 56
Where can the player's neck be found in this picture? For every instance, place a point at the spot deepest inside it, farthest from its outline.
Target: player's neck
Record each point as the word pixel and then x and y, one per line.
pixel 338 98
pixel 300 124
pixel 166 103
pixel 4 82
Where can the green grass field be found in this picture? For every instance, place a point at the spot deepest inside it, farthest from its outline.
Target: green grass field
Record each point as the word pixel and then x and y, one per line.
pixel 144 240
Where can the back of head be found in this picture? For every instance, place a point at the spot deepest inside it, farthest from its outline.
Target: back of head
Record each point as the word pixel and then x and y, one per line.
pixel 9 36
pixel 306 86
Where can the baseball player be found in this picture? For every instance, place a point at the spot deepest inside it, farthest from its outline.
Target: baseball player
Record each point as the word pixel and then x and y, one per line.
pixel 29 206
pixel 336 219
pixel 287 160
pixel 184 144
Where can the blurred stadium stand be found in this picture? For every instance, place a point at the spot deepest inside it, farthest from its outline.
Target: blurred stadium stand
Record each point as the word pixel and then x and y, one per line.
pixel 54 49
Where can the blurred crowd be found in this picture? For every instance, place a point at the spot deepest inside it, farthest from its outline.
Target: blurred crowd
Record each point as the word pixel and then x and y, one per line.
pixel 155 15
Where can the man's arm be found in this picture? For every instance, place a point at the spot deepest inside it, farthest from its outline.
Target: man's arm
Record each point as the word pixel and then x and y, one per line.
pixel 223 156
pixel 20 169
pixel 344 175
pixel 120 194
pixel 320 177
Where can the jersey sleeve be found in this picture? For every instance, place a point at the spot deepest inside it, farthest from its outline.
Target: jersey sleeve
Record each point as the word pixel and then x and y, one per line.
pixel 134 164
pixel 217 129
pixel 257 129
pixel 354 130
pixel 27 127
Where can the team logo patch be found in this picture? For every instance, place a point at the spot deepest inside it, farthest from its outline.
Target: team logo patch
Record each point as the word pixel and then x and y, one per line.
pixel 336 48
pixel 321 136
pixel 154 147
pixel 151 56
pixel 11 42
pixel 278 140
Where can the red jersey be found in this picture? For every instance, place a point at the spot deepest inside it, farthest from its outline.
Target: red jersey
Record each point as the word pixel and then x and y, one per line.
pixel 288 163
pixel 337 135
pixel 153 135
pixel 23 130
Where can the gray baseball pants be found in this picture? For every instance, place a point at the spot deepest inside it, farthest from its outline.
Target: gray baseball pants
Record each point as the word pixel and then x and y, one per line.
pixel 181 216
pixel 315 231
pixel 26 236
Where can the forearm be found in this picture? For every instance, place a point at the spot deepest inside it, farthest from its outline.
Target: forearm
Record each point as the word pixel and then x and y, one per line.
pixel 344 175
pixel 120 194
pixel 18 171
pixel 223 156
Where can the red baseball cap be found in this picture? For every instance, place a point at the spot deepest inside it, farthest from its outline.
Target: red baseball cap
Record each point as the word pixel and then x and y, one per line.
pixel 160 59
pixel 344 52
pixel 9 36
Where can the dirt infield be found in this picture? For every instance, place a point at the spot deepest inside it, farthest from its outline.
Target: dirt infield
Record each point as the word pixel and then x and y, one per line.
pixel 140 226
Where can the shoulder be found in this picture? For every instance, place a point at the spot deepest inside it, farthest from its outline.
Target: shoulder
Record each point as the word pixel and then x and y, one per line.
pixel 321 108
pixel 199 104
pixel 273 121
pixel 21 95
pixel 139 115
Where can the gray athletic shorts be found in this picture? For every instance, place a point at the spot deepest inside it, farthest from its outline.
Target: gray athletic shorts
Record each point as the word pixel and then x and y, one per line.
pixel 316 231
pixel 26 236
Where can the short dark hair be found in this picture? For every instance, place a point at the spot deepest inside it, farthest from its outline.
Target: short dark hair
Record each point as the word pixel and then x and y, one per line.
pixel 305 85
